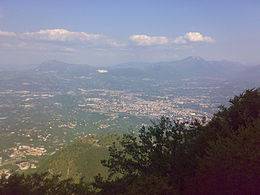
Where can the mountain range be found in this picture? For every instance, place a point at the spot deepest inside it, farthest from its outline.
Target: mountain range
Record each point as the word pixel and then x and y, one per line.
pixel 134 75
pixel 190 67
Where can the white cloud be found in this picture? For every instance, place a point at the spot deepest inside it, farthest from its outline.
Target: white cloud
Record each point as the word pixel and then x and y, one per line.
pixel 180 40
pixel 61 35
pixel 198 37
pixel 193 37
pixel 7 34
pixel 56 41
pixel 145 40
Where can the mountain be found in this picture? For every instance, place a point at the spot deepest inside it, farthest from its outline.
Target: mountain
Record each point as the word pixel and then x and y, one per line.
pixel 188 68
pixel 62 67
pixel 191 67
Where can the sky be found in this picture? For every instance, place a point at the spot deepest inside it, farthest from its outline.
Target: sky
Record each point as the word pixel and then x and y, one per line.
pixel 107 32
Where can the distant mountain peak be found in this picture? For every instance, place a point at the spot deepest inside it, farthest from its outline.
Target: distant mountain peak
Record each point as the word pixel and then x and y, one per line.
pixel 194 58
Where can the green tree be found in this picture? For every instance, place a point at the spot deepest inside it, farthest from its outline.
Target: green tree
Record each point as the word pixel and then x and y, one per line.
pixel 160 150
pixel 242 112
pixel 231 165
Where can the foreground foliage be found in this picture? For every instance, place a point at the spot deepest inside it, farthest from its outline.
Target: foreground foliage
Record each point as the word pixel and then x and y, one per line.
pixel 231 165
pixel 44 183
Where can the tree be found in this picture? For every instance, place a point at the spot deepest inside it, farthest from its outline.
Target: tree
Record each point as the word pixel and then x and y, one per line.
pixel 231 165
pixel 243 111
pixel 163 149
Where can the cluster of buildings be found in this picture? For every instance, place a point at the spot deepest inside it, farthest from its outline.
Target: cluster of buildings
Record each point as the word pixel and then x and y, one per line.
pixel 18 156
pixel 108 101
pixel 24 150
pixel 24 165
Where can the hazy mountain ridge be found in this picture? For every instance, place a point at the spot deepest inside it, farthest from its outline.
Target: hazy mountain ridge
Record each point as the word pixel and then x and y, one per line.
pixel 56 75
pixel 62 67
pixel 190 67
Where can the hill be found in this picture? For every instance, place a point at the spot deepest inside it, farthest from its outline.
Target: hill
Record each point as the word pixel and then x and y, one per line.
pixel 79 159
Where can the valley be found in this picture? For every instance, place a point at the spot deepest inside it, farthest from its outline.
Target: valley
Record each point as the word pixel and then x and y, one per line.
pixel 53 105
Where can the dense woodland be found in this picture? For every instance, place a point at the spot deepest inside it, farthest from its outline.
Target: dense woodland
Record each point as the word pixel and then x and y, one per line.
pixel 170 157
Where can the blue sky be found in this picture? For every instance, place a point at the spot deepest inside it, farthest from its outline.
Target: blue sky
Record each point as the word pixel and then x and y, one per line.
pixel 115 31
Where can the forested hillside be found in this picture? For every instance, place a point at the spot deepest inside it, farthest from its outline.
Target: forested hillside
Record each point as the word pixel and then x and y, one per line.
pixel 80 159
